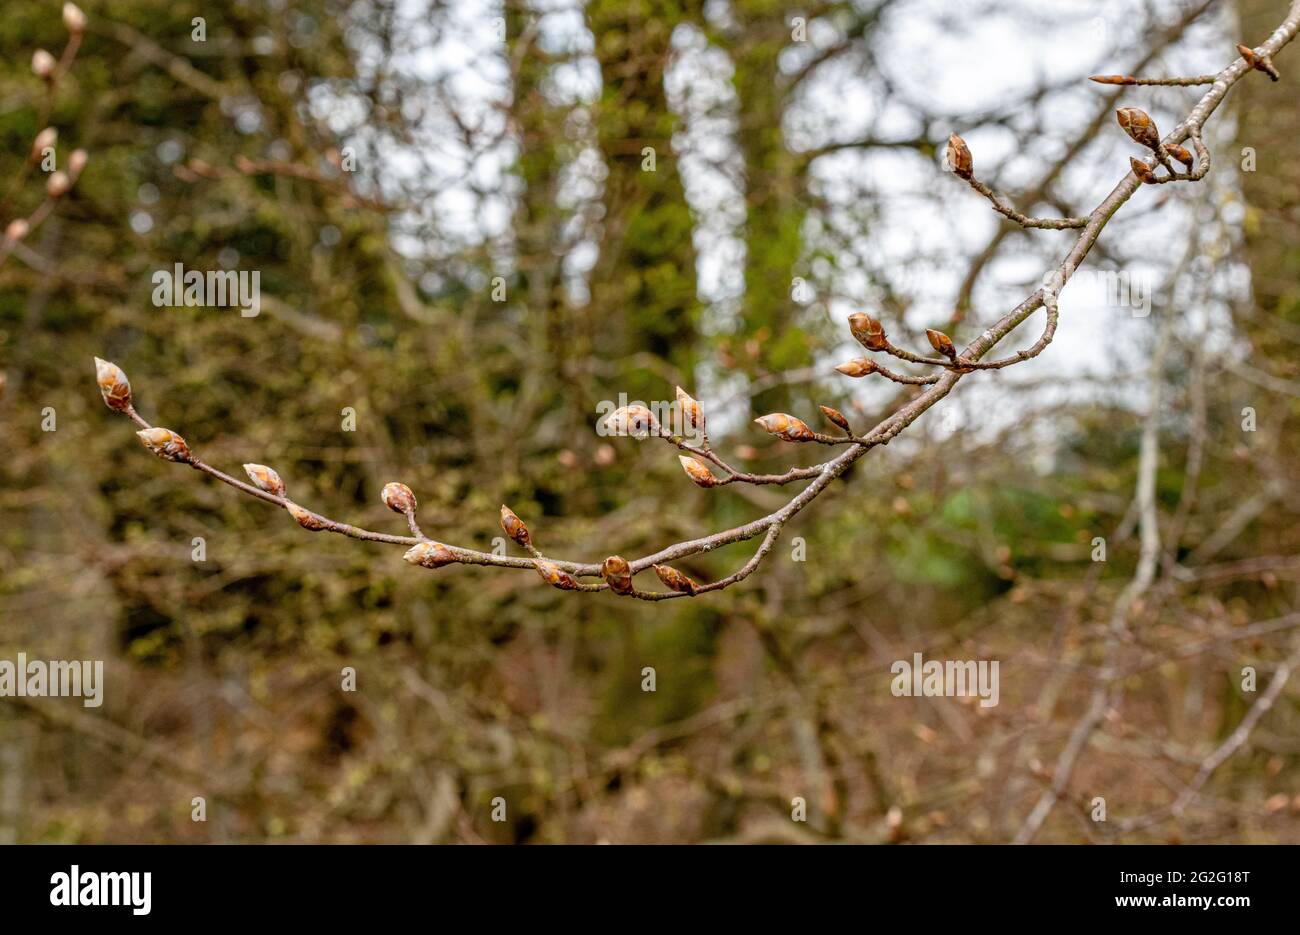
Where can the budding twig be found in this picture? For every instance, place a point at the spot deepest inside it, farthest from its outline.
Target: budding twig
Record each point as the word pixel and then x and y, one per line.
pixel 959 160
pixel 52 72
pixel 1163 82
pixel 615 572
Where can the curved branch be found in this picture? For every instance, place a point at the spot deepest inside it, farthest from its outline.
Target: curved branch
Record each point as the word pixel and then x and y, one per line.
pixel 116 393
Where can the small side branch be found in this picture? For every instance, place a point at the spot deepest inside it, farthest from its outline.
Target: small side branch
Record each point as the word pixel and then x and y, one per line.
pixel 963 166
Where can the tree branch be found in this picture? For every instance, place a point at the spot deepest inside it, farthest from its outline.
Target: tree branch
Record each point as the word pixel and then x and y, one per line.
pixel 617 572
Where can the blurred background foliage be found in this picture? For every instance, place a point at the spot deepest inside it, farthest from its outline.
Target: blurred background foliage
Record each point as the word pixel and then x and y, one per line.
pixel 971 541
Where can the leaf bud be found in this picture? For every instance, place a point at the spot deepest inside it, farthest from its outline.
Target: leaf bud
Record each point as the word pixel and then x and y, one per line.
pixel 1138 124
pixel 43 64
pixel 835 417
pixel 306 518
pixel 697 472
pixel 166 444
pixel 617 574
pixel 786 427
pixel 430 555
pixel 869 332
pixel 514 527
pixel 858 367
pixel 265 478
pixel 959 158
pixel 941 343
pixel 674 580
pixel 1142 170
pixel 398 497
pixel 1180 154
pixel 636 421
pixel 73 19
pixel 113 385
pixel 691 410
pixel 556 578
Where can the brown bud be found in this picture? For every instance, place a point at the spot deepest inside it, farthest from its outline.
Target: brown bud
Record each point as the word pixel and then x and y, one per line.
pixel 556 578
pixel 697 472
pixel 398 497
pixel 73 19
pixel 514 527
pixel 166 444
pixel 430 555
pixel 869 332
pixel 113 385
pixel 77 162
pixel 43 141
pixel 265 478
pixel 43 64
pixel 306 518
pixel 1141 170
pixel 1139 125
pixel 1261 62
pixel 959 159
pixel 1111 79
pixel 57 185
pixel 786 427
pixel 858 367
pixel 636 421
pixel 835 417
pixel 1180 154
pixel 691 410
pixel 941 343
pixel 617 574
pixel 674 579
pixel 17 230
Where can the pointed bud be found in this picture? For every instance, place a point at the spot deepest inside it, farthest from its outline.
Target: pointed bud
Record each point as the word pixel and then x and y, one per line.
pixel 265 478
pixel 44 140
pixel 17 230
pixel 398 497
pixel 697 472
pixel 514 527
pixel 1261 62
pixel 1141 170
pixel 786 427
pixel 306 518
pixel 691 410
pixel 1139 125
pixel 77 162
pixel 1180 154
pixel 835 417
pixel 73 19
pixel 858 367
pixel 959 159
pixel 941 343
pixel 113 385
pixel 1111 79
pixel 556 578
pixel 166 444
pixel 57 185
pixel 636 421
pixel 674 580
pixel 869 332
pixel 430 555
pixel 43 64
pixel 617 574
